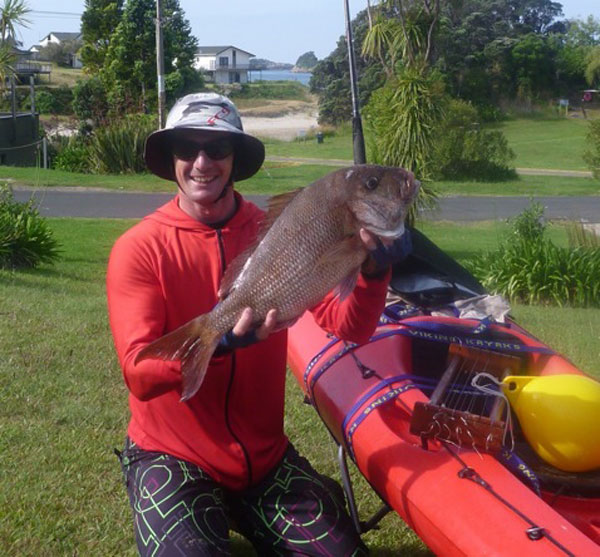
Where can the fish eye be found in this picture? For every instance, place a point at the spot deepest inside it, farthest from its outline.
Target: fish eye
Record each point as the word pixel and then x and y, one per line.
pixel 372 183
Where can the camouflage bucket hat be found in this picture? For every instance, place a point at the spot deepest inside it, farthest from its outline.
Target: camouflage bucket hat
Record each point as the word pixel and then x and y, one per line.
pixel 206 112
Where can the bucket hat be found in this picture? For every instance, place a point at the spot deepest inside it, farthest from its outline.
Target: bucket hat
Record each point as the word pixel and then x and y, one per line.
pixel 207 112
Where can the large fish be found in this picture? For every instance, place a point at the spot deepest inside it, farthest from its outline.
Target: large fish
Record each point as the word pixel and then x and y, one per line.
pixel 311 245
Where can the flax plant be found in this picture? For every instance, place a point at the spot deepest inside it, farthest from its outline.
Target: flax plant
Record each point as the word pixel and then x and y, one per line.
pixel 528 267
pixel 119 148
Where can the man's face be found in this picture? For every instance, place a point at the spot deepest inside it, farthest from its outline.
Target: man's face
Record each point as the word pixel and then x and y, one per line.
pixel 203 162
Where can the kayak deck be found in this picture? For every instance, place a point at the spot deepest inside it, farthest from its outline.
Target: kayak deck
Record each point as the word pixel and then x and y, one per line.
pixel 458 499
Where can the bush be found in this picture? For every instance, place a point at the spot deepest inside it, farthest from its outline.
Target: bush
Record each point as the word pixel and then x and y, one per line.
pixel 592 154
pixel 464 150
pixel 53 101
pixel 25 239
pixel 529 268
pixel 89 100
pixel 119 147
pixel 73 156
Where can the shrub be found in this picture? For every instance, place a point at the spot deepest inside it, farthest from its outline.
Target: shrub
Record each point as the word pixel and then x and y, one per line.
pixel 529 268
pixel 592 154
pixel 89 100
pixel 73 156
pixel 464 150
pixel 53 100
pixel 25 239
pixel 119 147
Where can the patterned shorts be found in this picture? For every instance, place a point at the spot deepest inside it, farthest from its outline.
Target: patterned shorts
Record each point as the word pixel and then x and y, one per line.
pixel 179 510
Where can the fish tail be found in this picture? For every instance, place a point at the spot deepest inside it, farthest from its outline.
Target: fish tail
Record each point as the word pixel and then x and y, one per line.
pixel 193 344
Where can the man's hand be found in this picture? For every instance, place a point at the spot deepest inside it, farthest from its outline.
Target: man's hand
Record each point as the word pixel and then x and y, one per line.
pixel 244 324
pixel 243 334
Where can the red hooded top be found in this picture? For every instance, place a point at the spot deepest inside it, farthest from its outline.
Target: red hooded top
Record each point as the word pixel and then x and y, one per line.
pixel 165 271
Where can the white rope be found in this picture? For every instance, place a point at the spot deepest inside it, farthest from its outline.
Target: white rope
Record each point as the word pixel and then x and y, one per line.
pixel 497 392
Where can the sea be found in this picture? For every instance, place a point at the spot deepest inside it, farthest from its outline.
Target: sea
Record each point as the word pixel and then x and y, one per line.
pixel 279 75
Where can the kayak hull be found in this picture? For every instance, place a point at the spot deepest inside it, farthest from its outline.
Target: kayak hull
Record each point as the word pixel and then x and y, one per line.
pixel 458 500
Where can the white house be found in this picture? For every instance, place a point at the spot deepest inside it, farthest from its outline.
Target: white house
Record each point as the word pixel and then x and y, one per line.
pixel 224 64
pixel 58 38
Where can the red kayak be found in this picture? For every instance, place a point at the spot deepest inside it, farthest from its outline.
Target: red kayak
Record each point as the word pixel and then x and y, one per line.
pixel 437 449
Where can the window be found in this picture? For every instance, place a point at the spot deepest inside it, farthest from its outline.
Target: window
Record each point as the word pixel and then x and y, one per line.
pixel 223 61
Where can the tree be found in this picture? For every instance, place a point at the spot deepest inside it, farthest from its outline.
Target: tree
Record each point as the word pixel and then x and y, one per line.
pixel 98 21
pixel 330 79
pixel 592 68
pixel 129 70
pixel 13 13
pixel 308 60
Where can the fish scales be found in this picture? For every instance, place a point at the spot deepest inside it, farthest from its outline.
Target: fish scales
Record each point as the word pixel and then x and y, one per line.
pixel 311 247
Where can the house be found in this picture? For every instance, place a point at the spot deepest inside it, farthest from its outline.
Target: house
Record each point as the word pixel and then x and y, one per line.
pixel 59 38
pixel 223 64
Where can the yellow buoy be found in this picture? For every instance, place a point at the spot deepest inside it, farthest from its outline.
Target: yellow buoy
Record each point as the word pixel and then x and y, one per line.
pixel 560 417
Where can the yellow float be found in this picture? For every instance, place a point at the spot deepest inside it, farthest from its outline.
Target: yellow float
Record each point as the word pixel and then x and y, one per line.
pixel 560 417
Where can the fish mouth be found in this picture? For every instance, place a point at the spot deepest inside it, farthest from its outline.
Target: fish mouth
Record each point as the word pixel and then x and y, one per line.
pixel 387 233
pixel 375 216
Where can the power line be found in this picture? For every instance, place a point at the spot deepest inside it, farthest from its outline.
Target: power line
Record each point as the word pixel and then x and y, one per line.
pixel 45 14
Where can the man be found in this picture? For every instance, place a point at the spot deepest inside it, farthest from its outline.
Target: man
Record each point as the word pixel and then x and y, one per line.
pixel 221 458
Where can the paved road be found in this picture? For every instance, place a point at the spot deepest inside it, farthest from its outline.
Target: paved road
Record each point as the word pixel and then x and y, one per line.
pixel 70 202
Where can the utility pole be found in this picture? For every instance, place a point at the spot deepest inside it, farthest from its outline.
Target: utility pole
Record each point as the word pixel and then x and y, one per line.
pixel 358 140
pixel 160 66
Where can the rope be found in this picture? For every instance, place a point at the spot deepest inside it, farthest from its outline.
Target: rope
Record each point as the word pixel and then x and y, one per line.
pixel 21 146
pixel 534 532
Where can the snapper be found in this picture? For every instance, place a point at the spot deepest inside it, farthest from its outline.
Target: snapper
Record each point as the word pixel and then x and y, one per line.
pixel 310 245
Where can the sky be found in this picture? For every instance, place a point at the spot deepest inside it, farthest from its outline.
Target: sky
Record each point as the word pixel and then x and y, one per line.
pixel 278 30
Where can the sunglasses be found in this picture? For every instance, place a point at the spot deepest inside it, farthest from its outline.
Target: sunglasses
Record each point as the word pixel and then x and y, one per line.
pixel 216 150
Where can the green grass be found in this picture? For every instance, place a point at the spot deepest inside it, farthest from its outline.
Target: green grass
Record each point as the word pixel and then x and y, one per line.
pixel 65 406
pixel 556 143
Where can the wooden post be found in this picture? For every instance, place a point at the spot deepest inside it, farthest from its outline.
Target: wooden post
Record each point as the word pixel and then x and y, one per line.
pixel 160 66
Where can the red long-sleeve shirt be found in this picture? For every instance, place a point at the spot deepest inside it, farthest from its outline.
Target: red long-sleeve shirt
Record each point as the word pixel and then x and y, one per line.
pixel 165 271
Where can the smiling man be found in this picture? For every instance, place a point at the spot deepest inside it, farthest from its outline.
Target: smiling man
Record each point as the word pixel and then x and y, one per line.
pixel 194 468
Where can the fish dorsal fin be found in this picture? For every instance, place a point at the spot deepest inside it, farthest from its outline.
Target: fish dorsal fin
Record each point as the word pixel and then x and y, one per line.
pixel 276 205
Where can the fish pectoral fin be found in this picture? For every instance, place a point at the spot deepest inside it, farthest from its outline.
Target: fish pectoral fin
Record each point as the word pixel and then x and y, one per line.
pixel 345 288
pixel 342 251
pixel 193 344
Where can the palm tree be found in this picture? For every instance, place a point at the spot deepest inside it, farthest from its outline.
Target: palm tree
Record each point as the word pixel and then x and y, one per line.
pixel 13 14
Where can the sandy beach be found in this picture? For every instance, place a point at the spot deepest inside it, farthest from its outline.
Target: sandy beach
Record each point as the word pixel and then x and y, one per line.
pixel 286 127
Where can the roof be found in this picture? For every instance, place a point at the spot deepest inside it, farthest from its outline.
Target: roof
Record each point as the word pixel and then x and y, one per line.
pixel 213 50
pixel 66 36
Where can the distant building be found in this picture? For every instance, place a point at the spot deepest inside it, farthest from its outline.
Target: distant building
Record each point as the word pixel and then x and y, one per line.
pixel 223 64
pixel 59 38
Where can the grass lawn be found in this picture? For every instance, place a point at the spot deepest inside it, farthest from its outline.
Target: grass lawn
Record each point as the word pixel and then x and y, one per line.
pixel 557 143
pixel 65 406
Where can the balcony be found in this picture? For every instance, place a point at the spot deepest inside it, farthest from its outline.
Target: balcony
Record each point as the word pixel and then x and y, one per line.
pixel 30 68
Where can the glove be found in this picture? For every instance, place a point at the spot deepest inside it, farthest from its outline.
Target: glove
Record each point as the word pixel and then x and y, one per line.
pixel 382 257
pixel 229 341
